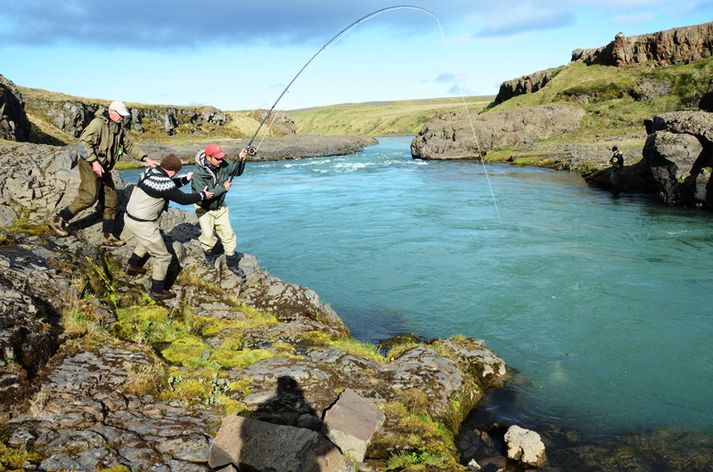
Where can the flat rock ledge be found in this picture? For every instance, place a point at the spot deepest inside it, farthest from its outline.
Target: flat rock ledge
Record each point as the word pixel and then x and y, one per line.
pixel 96 376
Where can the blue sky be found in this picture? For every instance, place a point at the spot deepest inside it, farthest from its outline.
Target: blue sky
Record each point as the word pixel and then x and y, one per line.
pixel 236 54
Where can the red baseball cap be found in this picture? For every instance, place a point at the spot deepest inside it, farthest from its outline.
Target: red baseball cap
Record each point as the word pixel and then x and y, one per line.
pixel 213 150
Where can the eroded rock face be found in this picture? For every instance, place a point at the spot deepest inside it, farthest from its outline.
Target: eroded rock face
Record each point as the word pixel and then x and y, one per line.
pixel 526 84
pixel 673 46
pixel 72 116
pixel 450 135
pixel 14 125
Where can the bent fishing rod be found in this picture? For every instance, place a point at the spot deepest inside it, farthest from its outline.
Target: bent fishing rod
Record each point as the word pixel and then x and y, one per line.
pixel 252 150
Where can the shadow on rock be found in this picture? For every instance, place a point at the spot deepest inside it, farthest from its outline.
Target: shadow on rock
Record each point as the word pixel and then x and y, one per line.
pixel 285 435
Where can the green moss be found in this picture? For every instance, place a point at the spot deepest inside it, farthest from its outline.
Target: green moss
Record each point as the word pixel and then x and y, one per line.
pixel 358 348
pixel 14 458
pixel 189 278
pixel 145 380
pixel 116 468
pixel 416 401
pixel 413 461
pixel 348 345
pixel 23 226
pixel 399 349
pixel 187 351
pixel 229 358
pixel 147 325
pixel 422 440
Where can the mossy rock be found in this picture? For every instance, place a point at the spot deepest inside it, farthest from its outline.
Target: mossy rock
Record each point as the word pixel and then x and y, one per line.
pixel 188 351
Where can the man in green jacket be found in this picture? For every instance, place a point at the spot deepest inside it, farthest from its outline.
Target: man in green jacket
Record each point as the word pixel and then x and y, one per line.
pixel 102 143
pixel 215 174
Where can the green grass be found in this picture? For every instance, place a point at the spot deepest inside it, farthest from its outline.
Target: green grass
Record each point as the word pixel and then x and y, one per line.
pixel 404 117
pixel 611 97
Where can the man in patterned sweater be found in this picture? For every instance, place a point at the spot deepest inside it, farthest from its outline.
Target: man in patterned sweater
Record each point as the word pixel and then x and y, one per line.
pixel 157 186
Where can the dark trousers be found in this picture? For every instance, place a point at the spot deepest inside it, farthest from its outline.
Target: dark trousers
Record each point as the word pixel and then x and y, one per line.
pixel 93 188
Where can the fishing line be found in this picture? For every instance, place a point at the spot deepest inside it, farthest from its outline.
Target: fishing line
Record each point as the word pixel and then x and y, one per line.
pixel 253 150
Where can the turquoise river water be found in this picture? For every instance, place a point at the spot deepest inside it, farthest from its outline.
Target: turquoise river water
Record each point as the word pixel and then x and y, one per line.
pixel 601 304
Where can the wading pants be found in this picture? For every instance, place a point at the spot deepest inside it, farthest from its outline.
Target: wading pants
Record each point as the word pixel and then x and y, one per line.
pixel 92 188
pixel 214 222
pixel 149 241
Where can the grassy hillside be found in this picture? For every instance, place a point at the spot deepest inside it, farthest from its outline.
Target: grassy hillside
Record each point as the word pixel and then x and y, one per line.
pixel 617 100
pixel 404 117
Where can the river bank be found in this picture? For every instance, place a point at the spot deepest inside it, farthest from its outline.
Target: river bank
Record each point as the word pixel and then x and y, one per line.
pixel 95 376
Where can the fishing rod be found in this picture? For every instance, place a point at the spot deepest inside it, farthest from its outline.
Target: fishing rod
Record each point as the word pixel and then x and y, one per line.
pixel 252 150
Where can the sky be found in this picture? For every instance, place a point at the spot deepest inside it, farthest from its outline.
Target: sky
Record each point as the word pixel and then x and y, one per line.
pixel 238 54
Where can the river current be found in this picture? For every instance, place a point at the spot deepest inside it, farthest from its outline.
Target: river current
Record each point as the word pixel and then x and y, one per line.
pixel 600 304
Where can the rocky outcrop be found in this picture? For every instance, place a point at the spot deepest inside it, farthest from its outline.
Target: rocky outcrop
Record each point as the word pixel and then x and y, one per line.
pixel 71 115
pixel 678 150
pixel 673 46
pixel 14 125
pixel 451 136
pixel 526 84
pixel 101 377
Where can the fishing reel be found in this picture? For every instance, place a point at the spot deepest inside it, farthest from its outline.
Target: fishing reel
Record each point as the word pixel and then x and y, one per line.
pixel 251 150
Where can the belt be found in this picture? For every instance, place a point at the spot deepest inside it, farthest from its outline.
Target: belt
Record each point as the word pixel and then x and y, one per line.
pixel 141 220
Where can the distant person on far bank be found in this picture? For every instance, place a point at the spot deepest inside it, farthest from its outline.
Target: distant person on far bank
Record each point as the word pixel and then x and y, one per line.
pixel 216 173
pixel 102 143
pixel 148 200
pixel 617 158
pixel 617 163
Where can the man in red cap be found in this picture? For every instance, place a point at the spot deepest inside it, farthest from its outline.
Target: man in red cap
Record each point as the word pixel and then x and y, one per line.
pixel 216 174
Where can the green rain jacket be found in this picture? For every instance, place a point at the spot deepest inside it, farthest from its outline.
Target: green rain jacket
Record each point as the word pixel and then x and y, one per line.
pixel 205 175
pixel 106 141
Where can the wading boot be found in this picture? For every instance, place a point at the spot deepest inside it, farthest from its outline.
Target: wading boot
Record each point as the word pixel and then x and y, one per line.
pixel 158 291
pixel 211 256
pixel 59 226
pixel 233 264
pixel 135 266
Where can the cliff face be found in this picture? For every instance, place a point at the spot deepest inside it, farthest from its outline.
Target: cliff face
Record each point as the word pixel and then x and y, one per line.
pixel 14 125
pixel 72 115
pixel 525 84
pixel 673 46
pixel 456 136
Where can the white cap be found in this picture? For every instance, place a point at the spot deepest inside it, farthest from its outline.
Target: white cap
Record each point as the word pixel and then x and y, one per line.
pixel 119 107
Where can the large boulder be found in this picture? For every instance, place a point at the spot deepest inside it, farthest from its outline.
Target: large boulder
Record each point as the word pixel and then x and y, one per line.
pixel 257 445
pixel 525 446
pixel 352 422
pixel 677 151
pixel 456 136
pixel 14 125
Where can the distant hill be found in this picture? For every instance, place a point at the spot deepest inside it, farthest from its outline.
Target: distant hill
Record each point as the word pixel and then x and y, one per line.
pixel 403 117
